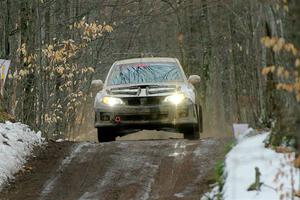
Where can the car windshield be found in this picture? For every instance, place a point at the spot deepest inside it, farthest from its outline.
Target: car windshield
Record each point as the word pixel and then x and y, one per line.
pixel 145 73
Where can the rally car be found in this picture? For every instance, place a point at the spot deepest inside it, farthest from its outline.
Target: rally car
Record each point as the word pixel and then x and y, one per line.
pixel 147 93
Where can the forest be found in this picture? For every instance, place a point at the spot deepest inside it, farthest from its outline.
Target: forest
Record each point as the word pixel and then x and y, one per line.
pixel 246 53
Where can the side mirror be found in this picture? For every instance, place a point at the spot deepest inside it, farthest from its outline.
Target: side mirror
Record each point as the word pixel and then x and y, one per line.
pixel 97 84
pixel 194 79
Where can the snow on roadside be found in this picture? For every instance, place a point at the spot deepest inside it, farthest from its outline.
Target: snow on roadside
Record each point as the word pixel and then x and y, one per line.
pixel 16 144
pixel 277 172
pixel 213 194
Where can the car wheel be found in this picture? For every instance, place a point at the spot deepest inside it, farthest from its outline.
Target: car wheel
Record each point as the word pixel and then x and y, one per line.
pixel 191 132
pixel 106 135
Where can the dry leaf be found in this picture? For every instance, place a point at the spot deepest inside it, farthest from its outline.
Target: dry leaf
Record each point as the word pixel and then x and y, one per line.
pixel 297 193
pixel 297 162
pixel 283 149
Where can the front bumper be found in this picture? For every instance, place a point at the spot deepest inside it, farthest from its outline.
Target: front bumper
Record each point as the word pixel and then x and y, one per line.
pixel 146 117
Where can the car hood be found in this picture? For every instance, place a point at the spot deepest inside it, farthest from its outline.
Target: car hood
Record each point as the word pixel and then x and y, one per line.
pixel 147 90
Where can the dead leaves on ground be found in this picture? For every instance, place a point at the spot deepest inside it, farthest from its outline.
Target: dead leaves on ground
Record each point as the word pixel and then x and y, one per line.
pixel 297 193
pixel 26 169
pixel 297 162
pixel 281 149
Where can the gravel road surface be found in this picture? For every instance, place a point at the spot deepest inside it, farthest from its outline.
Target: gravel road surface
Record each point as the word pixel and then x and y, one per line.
pixel 138 170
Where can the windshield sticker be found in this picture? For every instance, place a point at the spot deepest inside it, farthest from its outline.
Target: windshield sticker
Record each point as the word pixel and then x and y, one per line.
pixel 142 65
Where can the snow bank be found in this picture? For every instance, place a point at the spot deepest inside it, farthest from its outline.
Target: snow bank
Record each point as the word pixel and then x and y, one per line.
pixel 16 143
pixel 213 194
pixel 278 175
pixel 277 172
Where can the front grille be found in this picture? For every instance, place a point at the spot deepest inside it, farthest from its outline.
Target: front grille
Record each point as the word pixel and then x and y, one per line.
pixel 161 89
pixel 149 89
pixel 145 117
pixel 144 101
pixel 130 91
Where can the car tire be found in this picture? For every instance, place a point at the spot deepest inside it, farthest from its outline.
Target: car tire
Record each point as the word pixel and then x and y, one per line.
pixel 106 135
pixel 191 132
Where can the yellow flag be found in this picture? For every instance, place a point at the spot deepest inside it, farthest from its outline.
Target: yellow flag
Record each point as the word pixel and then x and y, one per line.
pixel 2 72
pixel 4 67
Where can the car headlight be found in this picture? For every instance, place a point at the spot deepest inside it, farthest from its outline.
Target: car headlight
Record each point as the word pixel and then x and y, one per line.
pixel 175 98
pixel 112 101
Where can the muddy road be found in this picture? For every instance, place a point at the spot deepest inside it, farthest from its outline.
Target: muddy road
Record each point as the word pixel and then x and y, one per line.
pixel 138 170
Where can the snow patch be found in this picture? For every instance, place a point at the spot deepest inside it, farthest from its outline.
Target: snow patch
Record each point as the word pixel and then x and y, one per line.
pixel 16 144
pixel 180 150
pixel 60 140
pixel 213 194
pixel 277 171
pixel 179 195
pixel 278 175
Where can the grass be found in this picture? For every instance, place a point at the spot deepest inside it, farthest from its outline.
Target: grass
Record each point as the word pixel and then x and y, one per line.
pixel 220 170
pixel 219 173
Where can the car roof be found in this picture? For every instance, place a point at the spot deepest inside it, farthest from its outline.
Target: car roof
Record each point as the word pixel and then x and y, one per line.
pixel 153 59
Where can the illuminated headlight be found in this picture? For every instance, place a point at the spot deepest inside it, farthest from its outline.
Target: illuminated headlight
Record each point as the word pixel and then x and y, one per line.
pixel 112 101
pixel 175 98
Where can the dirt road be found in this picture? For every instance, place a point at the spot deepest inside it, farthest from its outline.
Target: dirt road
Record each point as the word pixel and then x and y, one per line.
pixel 138 170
